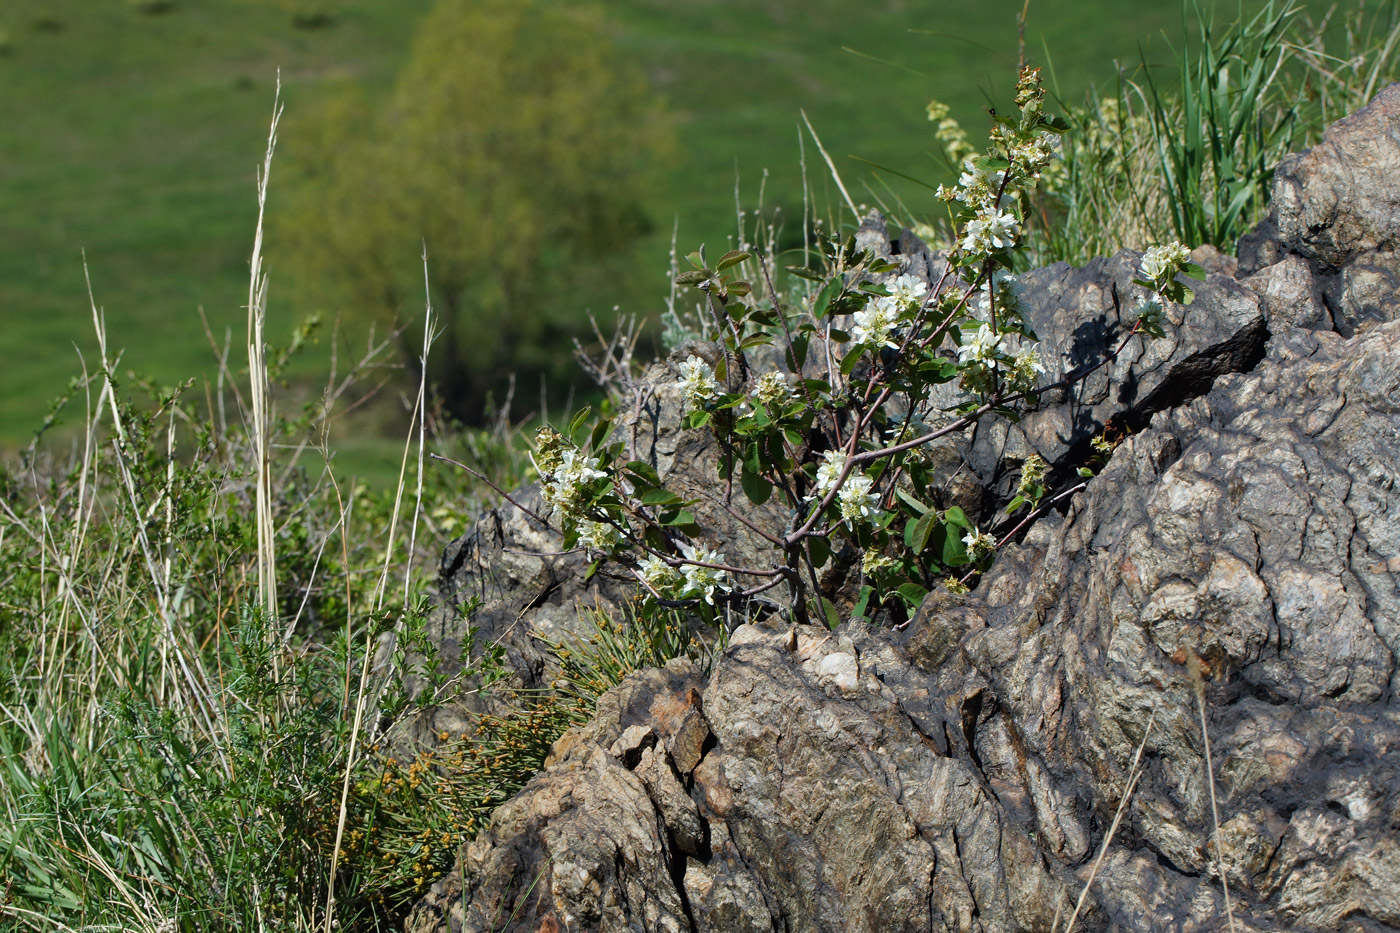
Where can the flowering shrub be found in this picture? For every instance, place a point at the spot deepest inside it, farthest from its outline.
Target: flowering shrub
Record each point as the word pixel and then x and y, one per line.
pixel 872 354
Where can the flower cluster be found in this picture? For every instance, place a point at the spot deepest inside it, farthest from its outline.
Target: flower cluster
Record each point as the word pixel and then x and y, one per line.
pixel 549 447
pixel 991 231
pixel 872 562
pixel 565 486
pixel 908 291
pixel 1026 367
pixel 1159 269
pixel 828 473
pixel 772 389
pixel 981 188
pixel 598 537
pixel 858 503
pixel 691 580
pixel 875 323
pixel 697 381
pixel 1036 155
pixel 1161 264
pixel 1031 487
pixel 982 348
pixel 659 575
pixel 702 581
pixel 979 544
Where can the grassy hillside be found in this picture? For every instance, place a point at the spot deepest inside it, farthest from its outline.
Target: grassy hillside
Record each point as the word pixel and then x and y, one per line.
pixel 134 137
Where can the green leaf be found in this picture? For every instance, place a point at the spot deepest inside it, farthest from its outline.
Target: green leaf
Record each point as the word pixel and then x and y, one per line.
pixel 827 295
pixel 755 340
pixel 696 259
pixel 693 278
pixel 1015 504
pixel 1194 271
pixel 939 370
pixel 957 517
pixel 799 350
pixel 731 258
pixel 858 613
pixel 578 421
pixel 953 553
pixel 660 497
pixel 1085 472
pixel 820 551
pixel 918 507
pixel 804 272
pixel 913 594
pixel 849 362
pixel 917 537
pixel 644 471
pixel 682 520
pixel 758 489
pixel 740 288
pixel 600 433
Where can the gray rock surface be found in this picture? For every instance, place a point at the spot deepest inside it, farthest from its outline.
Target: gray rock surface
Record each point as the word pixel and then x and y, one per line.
pixel 1337 206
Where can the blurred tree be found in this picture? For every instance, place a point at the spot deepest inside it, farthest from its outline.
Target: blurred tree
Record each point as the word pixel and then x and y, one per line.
pixel 516 144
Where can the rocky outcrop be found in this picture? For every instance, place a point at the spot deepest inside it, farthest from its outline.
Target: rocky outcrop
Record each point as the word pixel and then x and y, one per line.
pixel 1337 206
pixel 1228 582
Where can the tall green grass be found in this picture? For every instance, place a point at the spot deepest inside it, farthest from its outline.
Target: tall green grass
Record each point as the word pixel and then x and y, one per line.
pixel 1187 151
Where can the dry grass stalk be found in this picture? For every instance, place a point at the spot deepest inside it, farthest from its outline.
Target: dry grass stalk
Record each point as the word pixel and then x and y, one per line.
pixel 1134 775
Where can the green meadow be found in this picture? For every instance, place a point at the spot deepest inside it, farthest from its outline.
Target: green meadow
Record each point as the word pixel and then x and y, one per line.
pixel 132 138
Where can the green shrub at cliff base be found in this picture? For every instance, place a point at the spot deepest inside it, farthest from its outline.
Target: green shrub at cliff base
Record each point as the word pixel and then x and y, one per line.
pixel 838 440
pixel 514 149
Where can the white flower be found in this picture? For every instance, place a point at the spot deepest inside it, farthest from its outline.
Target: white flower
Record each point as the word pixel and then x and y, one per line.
pixel 703 580
pixel 979 544
pixel 979 184
pixel 598 536
pixel 990 231
pixel 697 380
pixel 1035 155
pixel 858 503
pixel 574 467
pixel 1160 263
pixel 833 462
pixel 1026 366
pixel 563 488
pixel 907 290
pixel 982 348
pixel 875 322
pixel 659 575
pixel 772 389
